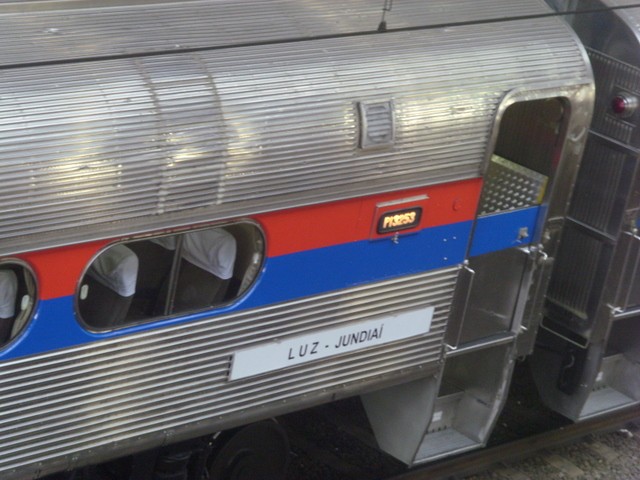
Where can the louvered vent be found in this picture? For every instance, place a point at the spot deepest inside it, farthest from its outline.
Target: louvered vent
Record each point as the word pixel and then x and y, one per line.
pixel 377 125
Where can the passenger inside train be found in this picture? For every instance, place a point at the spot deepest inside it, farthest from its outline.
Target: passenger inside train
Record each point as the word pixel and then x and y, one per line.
pixel 8 295
pixel 17 294
pixel 168 275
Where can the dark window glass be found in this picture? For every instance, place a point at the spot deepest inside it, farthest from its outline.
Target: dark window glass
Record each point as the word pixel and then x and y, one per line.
pixel 17 298
pixel 170 275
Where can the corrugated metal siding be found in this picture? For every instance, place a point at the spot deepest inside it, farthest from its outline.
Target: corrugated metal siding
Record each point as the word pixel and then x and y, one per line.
pixel 163 140
pixel 54 31
pixel 600 185
pixel 62 403
pixel 579 257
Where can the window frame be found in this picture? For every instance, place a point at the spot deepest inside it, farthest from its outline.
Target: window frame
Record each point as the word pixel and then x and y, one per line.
pixel 174 273
pixel 25 316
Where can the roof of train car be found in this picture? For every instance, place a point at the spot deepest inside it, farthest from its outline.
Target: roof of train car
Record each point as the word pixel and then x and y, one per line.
pixel 56 30
pixel 100 141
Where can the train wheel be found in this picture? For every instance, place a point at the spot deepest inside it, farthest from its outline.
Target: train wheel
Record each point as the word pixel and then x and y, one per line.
pixel 259 451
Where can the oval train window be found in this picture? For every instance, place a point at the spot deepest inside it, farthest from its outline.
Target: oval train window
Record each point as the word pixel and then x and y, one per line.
pixel 17 298
pixel 142 280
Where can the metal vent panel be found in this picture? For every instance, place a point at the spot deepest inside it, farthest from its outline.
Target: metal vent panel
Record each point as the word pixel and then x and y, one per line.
pixel 376 124
pixel 602 186
pixel 136 388
pixel 509 186
pixel 573 282
pixel 98 149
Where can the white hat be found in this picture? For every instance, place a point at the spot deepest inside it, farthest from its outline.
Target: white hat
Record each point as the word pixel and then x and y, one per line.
pixel 117 269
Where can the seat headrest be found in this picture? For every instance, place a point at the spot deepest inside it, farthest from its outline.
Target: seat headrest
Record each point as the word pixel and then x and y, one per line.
pixel 213 250
pixel 8 292
pixel 117 269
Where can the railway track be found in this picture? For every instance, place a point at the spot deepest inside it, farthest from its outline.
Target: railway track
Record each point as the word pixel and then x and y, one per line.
pixel 530 442
pixel 503 459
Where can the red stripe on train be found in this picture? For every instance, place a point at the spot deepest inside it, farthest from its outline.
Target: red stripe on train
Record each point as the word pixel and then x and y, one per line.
pixel 58 270
pixel 290 231
pixel 353 220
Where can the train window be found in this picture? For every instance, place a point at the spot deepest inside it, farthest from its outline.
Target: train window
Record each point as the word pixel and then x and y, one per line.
pixel 17 298
pixel 170 275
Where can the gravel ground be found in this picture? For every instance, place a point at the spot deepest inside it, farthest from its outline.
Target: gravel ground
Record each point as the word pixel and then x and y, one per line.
pixel 610 456
pixel 323 452
pixel 333 442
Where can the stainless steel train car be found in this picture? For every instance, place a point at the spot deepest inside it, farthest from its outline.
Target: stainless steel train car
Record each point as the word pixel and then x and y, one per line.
pixel 214 212
pixel 587 359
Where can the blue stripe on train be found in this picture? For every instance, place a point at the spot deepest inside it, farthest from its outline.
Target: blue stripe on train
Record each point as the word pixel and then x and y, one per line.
pixel 325 269
pixel 303 274
pixel 503 230
pixel 284 278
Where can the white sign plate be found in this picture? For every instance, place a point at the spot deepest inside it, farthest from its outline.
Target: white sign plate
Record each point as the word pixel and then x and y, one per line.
pixel 309 347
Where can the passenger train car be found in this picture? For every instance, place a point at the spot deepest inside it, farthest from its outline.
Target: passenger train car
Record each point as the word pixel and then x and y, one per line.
pixel 214 212
pixel 587 358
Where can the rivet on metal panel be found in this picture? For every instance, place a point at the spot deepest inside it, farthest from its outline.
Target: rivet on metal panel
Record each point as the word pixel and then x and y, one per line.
pixel 523 233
